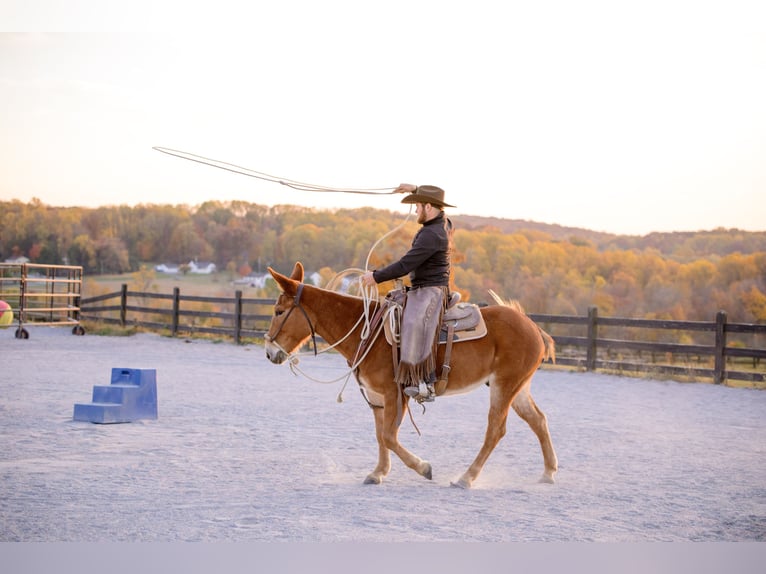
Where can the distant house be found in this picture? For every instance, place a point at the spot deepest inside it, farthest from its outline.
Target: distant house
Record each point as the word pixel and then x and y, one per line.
pixel 20 260
pixel 253 280
pixel 202 267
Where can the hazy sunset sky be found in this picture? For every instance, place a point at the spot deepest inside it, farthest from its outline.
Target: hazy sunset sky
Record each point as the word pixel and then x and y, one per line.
pixel 627 117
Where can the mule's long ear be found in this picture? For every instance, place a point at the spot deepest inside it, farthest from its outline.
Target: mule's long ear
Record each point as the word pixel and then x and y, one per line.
pixel 289 284
pixel 285 283
pixel 297 272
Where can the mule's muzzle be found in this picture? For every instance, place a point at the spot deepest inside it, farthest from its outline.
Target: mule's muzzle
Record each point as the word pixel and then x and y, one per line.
pixel 275 354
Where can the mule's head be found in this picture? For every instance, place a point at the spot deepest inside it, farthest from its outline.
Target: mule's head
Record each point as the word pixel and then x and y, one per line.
pixel 288 330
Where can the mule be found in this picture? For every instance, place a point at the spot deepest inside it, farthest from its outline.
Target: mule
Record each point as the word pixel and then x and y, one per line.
pixel 506 358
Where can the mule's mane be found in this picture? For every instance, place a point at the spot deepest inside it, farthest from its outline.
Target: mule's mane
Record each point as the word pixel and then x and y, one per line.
pixel 354 303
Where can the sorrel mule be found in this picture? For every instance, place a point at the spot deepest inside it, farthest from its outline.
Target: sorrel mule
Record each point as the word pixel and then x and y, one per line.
pixel 506 358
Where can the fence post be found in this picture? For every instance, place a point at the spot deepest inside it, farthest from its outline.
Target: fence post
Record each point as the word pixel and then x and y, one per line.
pixel 50 288
pixel 237 316
pixel 719 375
pixel 75 313
pixel 22 294
pixel 123 304
pixel 176 311
pixel 590 361
pixel 76 279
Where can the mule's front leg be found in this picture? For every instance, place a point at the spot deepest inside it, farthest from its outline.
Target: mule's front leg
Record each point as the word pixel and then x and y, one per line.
pixel 391 437
pixel 384 456
pixel 387 432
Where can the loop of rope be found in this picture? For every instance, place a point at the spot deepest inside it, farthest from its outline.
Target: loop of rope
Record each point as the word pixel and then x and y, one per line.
pixel 274 179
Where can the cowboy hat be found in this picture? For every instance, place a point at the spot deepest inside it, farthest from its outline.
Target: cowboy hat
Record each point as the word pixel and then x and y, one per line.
pixel 427 194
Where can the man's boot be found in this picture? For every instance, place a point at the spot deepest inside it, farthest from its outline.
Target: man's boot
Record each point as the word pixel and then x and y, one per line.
pixel 426 393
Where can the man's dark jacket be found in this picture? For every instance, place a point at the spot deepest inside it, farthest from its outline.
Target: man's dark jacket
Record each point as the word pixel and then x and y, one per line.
pixel 427 261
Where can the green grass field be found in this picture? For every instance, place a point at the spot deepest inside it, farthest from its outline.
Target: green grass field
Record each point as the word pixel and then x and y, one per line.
pixel 213 285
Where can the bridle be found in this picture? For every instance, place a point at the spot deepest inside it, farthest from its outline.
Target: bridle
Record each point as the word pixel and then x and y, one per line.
pixel 296 305
pixel 361 352
pixel 369 334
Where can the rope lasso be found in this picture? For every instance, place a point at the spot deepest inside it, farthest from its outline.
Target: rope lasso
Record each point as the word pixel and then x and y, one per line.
pixel 301 186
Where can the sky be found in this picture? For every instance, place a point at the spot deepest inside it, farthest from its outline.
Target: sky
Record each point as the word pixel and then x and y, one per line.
pixel 624 117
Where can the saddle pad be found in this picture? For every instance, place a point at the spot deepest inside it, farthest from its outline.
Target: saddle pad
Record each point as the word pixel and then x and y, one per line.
pixel 468 320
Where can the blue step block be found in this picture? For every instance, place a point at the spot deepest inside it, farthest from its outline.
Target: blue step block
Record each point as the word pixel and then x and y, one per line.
pixel 115 393
pixel 132 395
pixel 101 413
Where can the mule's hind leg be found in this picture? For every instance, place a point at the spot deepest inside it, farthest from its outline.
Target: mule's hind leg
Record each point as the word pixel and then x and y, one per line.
pixel 499 406
pixel 526 408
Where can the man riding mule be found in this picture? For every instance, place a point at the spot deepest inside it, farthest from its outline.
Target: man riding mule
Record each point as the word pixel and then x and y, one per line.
pixel 506 358
pixel 428 264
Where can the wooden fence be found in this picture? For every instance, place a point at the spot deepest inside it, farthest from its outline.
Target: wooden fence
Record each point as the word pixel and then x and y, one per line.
pixel 716 349
pixel 729 349
pixel 237 317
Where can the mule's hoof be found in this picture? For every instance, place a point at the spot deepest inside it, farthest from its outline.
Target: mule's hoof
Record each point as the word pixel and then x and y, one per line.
pixel 547 479
pixel 426 472
pixel 372 479
pixel 462 483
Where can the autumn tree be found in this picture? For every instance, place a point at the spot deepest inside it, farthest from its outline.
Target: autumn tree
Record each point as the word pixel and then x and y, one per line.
pixel 548 268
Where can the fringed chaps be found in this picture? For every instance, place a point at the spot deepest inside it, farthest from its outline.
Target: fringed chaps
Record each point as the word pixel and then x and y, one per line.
pixel 421 318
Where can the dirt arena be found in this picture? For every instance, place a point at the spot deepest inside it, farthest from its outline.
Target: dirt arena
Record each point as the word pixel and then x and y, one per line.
pixel 244 450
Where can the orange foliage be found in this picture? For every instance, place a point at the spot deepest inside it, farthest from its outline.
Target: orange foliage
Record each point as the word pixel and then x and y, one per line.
pixel 548 268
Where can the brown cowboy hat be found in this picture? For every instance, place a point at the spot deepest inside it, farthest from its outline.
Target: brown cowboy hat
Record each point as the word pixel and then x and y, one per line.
pixel 427 194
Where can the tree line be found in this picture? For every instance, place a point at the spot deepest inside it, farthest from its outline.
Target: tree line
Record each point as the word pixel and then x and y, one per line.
pixel 548 268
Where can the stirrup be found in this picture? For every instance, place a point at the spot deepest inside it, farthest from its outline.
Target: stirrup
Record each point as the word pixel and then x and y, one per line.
pixel 412 391
pixel 423 393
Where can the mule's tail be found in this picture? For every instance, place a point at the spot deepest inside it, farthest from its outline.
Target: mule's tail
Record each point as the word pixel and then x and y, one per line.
pixel 550 344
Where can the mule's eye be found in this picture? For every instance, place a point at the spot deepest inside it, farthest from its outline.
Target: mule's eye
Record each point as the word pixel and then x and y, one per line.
pixel 278 312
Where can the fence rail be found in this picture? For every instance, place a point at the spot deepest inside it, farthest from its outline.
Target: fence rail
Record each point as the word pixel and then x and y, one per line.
pixel 721 358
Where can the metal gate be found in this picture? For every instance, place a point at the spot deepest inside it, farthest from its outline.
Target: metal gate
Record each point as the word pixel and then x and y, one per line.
pixel 42 295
